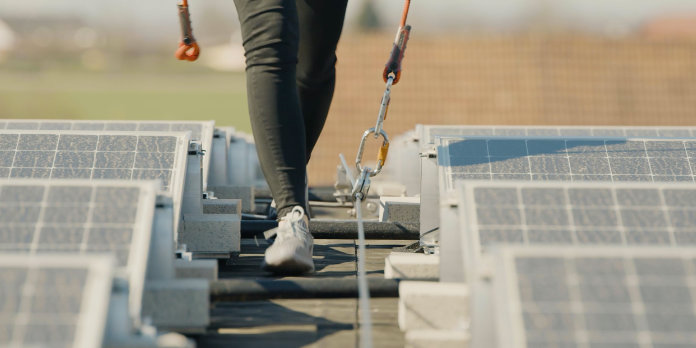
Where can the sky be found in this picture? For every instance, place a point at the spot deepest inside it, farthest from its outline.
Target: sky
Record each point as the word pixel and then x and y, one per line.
pixel 156 18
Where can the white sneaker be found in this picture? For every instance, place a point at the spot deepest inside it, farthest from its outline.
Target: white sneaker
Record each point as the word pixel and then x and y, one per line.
pixel 291 253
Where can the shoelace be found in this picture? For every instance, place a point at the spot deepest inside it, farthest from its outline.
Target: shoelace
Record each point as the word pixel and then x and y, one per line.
pixel 294 218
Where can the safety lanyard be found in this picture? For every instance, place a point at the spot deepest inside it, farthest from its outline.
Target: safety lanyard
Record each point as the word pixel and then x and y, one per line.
pixel 391 75
pixel 188 47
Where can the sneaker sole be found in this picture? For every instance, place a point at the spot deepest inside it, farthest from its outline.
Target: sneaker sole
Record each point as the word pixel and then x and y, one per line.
pixel 290 263
pixel 289 267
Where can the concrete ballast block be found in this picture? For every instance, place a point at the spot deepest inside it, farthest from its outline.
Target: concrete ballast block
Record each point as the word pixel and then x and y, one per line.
pixel 204 269
pixel 245 193
pixel 181 304
pixel 433 305
pixel 388 188
pixel 211 233
pixel 222 206
pixel 411 266
pixel 399 209
pixel 437 338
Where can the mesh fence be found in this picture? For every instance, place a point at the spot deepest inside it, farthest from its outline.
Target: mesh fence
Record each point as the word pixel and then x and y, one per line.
pixel 517 79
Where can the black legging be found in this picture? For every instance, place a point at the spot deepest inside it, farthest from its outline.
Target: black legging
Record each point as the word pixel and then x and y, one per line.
pixel 290 56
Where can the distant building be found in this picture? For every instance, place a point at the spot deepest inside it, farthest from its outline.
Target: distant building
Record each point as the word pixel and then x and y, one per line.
pixel 226 57
pixel 45 33
pixel 7 38
pixel 673 27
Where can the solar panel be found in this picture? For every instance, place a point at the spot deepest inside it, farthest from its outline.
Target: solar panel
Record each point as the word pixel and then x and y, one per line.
pixel 605 297
pixel 569 159
pixel 54 301
pixel 97 155
pixel 405 159
pixel 566 159
pixel 200 130
pixel 81 217
pixel 427 134
pixel 580 214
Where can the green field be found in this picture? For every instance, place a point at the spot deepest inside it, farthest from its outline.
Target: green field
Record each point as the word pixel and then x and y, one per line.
pixel 125 96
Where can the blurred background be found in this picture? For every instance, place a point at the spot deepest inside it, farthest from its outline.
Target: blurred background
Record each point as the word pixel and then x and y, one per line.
pixel 609 62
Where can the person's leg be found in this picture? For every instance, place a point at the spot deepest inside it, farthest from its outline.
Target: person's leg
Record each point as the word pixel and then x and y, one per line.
pixel 270 37
pixel 320 23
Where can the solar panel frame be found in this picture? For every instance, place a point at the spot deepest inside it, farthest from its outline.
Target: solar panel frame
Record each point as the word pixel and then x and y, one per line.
pixel 136 267
pixel 94 307
pixel 205 136
pixel 178 167
pixel 507 299
pixel 474 253
pixel 428 134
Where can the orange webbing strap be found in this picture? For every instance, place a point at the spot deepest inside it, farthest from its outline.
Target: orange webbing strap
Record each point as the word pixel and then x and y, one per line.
pixel 188 48
pixel 404 14
pixel 393 65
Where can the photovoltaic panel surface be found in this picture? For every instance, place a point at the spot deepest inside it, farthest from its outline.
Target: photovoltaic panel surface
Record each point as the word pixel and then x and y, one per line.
pixel 550 297
pixel 54 301
pixel 96 155
pixel 580 214
pixel 81 217
pixel 428 133
pixel 565 159
pixel 88 155
pixel 200 130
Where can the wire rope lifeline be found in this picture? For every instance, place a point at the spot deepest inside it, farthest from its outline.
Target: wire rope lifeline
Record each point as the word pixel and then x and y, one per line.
pixel 363 289
pixel 361 184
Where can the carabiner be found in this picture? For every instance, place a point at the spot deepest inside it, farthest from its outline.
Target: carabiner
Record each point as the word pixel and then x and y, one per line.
pixel 187 52
pixel 381 155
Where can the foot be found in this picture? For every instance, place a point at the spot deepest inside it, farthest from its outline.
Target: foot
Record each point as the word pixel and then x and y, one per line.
pixel 291 253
